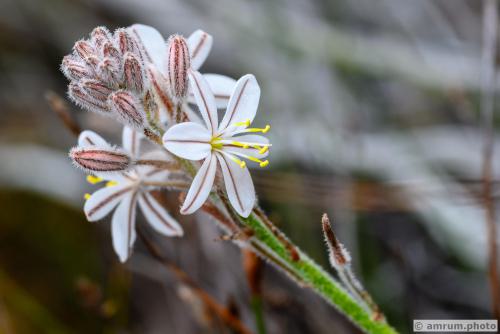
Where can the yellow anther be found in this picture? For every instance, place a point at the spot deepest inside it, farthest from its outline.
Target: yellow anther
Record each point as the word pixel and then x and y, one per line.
pixel 264 163
pixel 245 123
pixel 111 183
pixel 267 128
pixel 86 196
pixel 263 149
pixel 93 179
pixel 243 164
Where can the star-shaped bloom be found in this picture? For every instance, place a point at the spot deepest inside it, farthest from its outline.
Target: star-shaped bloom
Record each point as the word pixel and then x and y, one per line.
pixel 124 190
pixel 199 44
pixel 226 144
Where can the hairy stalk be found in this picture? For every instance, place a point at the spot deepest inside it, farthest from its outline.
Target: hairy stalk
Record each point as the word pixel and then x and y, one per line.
pixel 490 27
pixel 313 276
pixel 341 262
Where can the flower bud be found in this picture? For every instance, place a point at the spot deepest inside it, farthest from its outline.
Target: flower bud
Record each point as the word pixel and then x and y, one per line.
pixel 128 108
pixel 75 69
pixel 96 89
pixel 100 36
pixel 127 42
pixel 111 52
pixel 84 49
pixel 109 72
pixel 178 65
pixel 78 94
pixel 133 73
pixel 97 159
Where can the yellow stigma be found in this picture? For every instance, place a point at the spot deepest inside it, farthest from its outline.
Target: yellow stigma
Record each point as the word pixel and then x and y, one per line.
pixel 86 196
pixel 111 183
pixel 94 179
pixel 245 123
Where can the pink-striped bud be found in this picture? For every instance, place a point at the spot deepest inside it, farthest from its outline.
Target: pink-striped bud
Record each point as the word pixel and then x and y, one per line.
pixel 96 89
pixel 80 96
pixel 84 49
pixel 178 65
pixel 100 36
pixel 111 52
pixel 109 71
pixel 127 108
pixel 97 159
pixel 133 73
pixel 126 42
pixel 75 69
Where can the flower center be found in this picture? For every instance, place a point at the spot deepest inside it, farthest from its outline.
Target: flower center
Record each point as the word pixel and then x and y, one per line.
pixel 239 150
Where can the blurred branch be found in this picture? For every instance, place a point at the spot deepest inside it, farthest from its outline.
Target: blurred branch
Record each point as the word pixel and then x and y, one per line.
pixel 490 28
pixel 253 270
pixel 60 107
pixel 222 312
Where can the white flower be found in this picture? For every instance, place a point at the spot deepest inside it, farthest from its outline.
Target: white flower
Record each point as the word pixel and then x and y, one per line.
pixel 199 45
pixel 219 143
pixel 124 190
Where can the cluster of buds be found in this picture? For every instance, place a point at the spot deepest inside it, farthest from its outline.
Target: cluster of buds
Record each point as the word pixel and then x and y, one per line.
pixel 107 74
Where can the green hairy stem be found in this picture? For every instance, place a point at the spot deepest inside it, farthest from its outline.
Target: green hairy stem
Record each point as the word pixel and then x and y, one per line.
pixel 310 274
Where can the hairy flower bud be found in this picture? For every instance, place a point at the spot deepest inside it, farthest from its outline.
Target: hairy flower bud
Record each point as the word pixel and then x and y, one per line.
pixel 133 73
pixel 178 65
pixel 75 69
pixel 109 72
pixel 96 89
pixel 97 159
pixel 100 36
pixel 127 42
pixel 81 97
pixel 111 52
pixel 128 108
pixel 84 49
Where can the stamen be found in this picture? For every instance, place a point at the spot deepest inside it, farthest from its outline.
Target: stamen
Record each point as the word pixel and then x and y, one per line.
pixel 263 149
pixel 86 196
pixel 262 163
pixel 240 144
pixel 245 123
pixel 94 179
pixel 263 130
pixel 111 183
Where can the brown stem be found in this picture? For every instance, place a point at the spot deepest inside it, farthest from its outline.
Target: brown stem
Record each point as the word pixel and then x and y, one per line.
pixel 222 312
pixel 170 165
pixel 490 27
pixel 59 106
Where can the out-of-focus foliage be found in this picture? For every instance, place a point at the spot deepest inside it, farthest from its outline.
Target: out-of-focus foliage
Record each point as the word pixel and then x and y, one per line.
pixel 374 114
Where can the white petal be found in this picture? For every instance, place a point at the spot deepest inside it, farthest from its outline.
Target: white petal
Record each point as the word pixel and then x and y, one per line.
pixel 123 226
pixel 253 152
pixel 239 186
pixel 90 138
pixel 243 103
pixel 158 217
pixel 201 186
pixel 222 87
pixel 199 44
pixel 204 99
pixel 104 200
pixel 131 141
pixel 188 140
pixel 155 46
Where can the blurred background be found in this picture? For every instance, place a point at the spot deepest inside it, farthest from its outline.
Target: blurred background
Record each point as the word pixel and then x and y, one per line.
pixel 375 114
